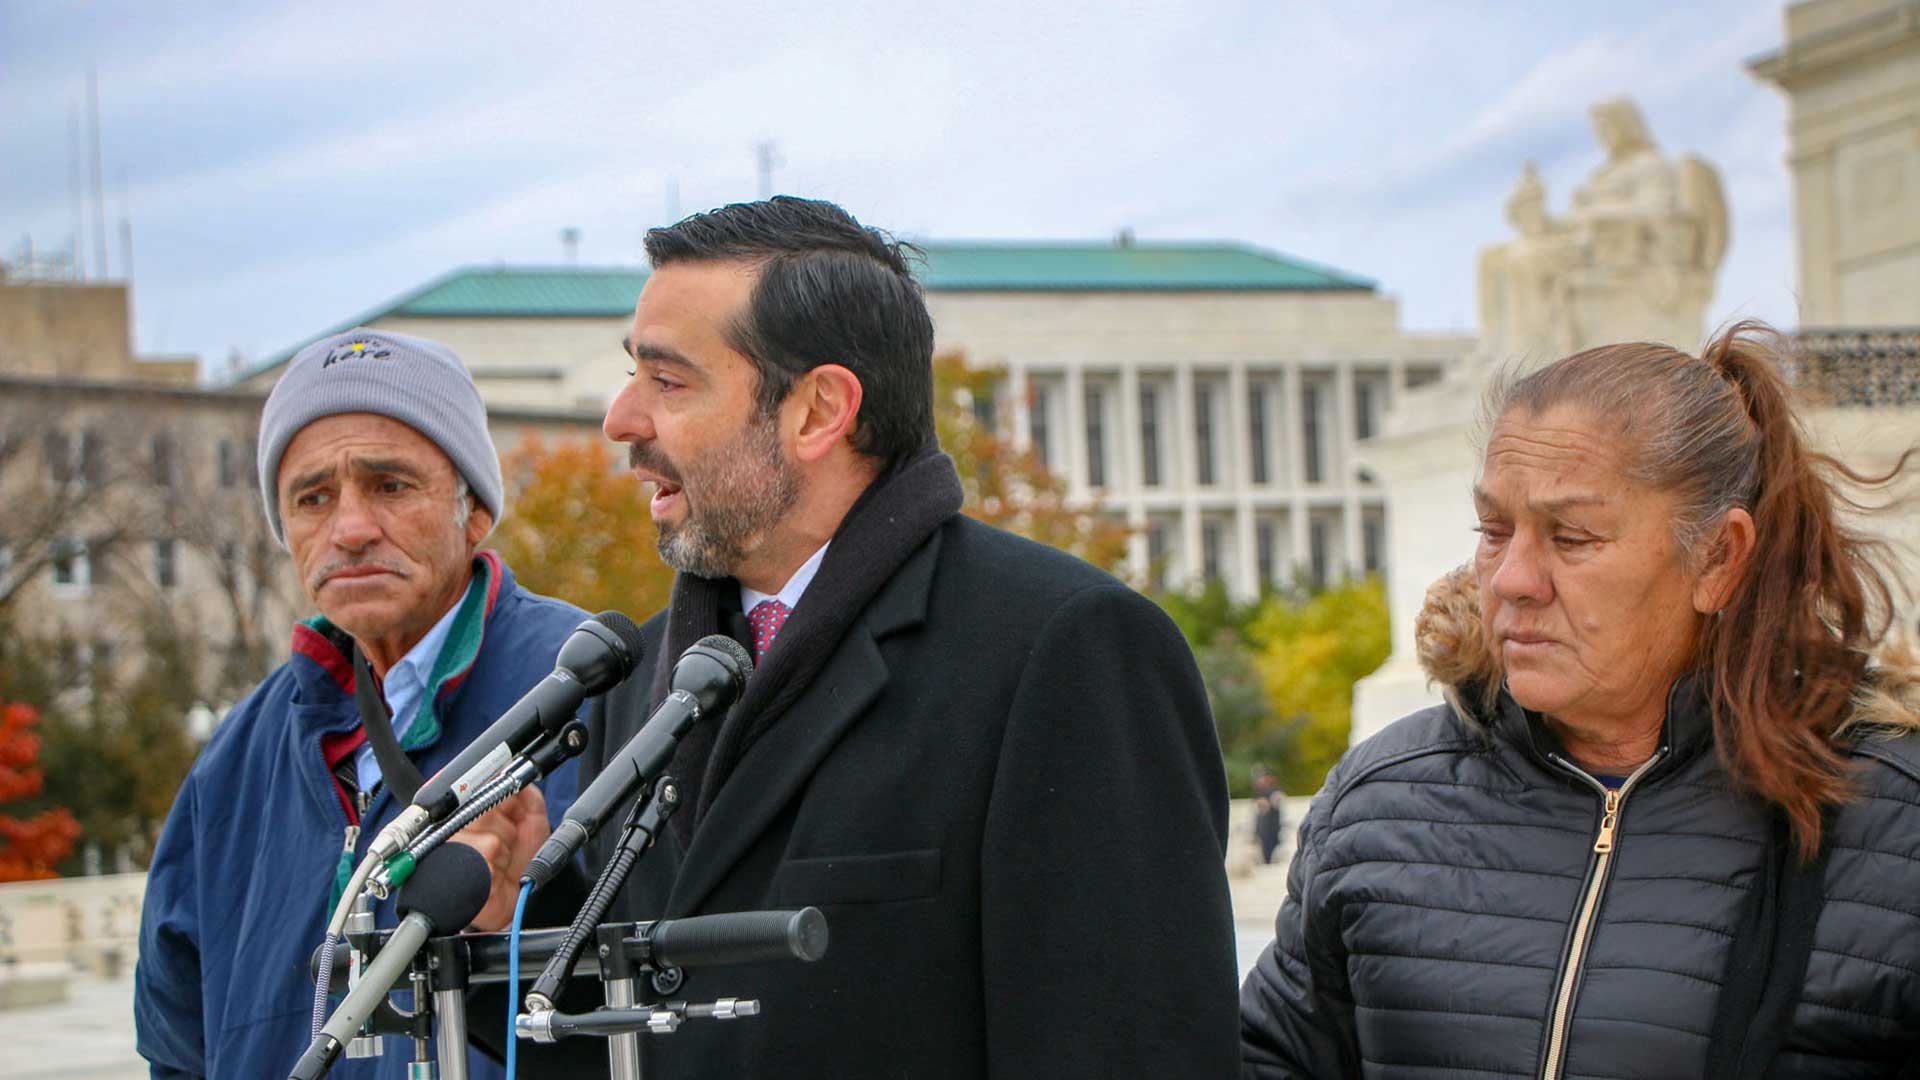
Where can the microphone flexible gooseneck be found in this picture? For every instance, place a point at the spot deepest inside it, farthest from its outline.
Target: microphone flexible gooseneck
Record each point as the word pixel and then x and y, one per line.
pixel 599 653
pixel 707 678
pixel 450 889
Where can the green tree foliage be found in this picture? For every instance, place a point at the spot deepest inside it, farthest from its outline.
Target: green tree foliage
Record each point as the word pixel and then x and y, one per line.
pixel 1309 653
pixel 1205 615
pixel 113 750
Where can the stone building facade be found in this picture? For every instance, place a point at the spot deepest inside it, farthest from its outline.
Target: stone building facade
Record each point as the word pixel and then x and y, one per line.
pixel 133 496
pixel 1211 394
pixel 1850 70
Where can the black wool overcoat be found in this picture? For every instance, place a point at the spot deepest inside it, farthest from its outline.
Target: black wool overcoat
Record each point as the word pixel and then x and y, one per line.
pixel 1005 793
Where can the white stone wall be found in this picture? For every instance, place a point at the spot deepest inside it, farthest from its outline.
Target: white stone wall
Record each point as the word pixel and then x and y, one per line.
pixel 548 363
pixel 1851 73
pixel 1871 441
pixel 71 920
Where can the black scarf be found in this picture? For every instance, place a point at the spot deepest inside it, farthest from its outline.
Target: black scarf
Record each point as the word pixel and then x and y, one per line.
pixel 891 519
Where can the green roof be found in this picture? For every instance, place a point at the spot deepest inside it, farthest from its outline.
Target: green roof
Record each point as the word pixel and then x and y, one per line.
pixel 990 266
pixel 525 291
pixel 1138 266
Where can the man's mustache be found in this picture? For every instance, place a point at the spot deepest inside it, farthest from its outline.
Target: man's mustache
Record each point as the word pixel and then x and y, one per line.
pixel 644 456
pixel 328 570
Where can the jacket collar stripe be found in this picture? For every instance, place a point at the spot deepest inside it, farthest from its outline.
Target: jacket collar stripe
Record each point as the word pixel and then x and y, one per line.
pixel 310 640
pixel 462 648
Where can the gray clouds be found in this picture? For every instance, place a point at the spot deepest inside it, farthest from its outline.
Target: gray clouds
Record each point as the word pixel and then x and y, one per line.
pixel 292 166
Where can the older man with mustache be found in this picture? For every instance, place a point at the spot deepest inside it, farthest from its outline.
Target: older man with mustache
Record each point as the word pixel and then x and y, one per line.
pixel 381 479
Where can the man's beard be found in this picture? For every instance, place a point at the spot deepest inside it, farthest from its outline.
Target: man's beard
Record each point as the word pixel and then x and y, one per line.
pixel 734 495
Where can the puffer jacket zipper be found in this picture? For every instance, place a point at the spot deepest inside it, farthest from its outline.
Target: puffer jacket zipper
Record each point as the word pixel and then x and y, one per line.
pixel 1599 870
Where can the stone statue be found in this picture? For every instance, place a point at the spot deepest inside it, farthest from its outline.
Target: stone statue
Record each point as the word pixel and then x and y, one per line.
pixel 1524 300
pixel 1634 259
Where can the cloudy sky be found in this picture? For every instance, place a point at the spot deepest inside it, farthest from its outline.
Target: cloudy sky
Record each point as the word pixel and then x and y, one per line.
pixel 288 166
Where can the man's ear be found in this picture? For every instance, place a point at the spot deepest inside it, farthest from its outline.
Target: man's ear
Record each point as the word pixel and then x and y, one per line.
pixel 822 410
pixel 479 522
pixel 1727 559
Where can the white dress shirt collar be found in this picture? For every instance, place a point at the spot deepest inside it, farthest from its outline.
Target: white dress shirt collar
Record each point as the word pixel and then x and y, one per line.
pixel 403 685
pixel 789 593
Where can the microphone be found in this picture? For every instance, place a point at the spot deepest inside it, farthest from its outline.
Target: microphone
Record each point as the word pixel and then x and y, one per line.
pixel 708 677
pixel 598 654
pixel 446 894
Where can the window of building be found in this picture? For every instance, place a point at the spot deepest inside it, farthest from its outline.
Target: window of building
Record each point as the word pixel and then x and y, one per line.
pixel 1157 552
pixel 92 462
pixel 1257 431
pixel 1310 405
pixel 1040 424
pixel 1319 558
pixel 1263 541
pixel 1096 437
pixel 984 412
pixel 70 563
pixel 57 459
pixel 1365 409
pixel 1373 543
pixel 230 464
pixel 165 465
pixel 1211 541
pixel 166 566
pixel 1150 436
pixel 1423 374
pixel 1203 433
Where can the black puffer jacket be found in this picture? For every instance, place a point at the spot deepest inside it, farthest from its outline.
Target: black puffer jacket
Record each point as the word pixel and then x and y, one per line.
pixel 1434 911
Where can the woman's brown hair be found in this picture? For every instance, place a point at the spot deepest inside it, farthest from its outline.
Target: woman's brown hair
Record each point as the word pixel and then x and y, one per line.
pixel 1788 652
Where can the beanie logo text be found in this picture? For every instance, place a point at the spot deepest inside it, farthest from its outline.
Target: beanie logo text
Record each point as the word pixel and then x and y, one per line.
pixel 356 350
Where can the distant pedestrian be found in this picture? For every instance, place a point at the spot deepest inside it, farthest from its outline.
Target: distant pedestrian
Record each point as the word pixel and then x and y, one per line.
pixel 1269 811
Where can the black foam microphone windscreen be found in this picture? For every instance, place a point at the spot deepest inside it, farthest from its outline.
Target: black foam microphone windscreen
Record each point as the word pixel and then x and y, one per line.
pixel 449 888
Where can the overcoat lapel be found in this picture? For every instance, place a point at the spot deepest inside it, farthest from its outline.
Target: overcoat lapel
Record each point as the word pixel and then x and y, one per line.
pixel 776 766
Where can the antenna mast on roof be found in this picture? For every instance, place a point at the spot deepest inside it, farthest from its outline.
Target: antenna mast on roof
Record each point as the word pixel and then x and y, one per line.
pixel 766 158
pixel 126 230
pixel 77 239
pixel 570 244
pixel 99 193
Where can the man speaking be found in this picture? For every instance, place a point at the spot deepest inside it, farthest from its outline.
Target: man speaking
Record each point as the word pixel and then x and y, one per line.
pixel 381 479
pixel 990 764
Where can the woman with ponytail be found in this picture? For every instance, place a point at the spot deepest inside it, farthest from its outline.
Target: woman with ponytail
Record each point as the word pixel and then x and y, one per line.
pixel 1668 822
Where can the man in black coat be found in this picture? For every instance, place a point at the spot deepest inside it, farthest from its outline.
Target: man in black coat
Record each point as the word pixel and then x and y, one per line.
pixel 990 764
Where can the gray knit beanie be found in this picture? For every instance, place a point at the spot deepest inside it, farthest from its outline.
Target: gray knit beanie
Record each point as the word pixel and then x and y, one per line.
pixel 418 382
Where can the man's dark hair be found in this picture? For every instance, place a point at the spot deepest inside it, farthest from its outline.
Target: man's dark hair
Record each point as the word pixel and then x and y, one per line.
pixel 830 291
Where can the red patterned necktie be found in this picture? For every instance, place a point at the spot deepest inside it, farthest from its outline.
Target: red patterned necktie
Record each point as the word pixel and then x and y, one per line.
pixel 766 618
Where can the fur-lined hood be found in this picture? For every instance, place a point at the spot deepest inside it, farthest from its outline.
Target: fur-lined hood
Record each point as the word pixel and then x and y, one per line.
pixel 1452 645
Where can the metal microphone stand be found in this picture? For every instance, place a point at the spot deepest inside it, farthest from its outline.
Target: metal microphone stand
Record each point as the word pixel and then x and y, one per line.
pixel 446 967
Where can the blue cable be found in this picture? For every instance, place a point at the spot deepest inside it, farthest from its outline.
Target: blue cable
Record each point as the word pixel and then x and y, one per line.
pixel 513 974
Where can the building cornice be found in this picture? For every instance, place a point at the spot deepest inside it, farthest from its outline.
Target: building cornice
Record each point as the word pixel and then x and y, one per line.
pixel 1894 27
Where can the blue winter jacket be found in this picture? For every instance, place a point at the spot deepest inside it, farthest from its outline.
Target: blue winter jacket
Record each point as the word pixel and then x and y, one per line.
pixel 237 896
